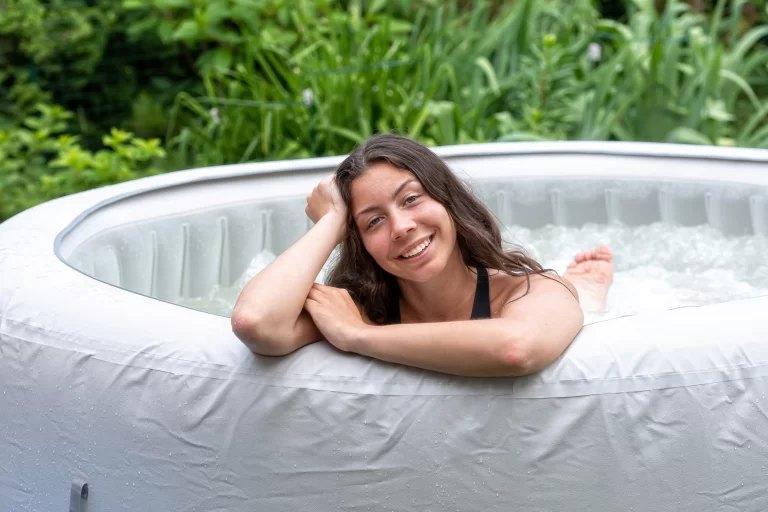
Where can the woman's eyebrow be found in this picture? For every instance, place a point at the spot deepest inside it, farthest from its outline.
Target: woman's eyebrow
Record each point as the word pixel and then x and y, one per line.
pixel 394 195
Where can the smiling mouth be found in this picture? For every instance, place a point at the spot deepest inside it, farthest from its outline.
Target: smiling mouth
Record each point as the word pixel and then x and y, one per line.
pixel 417 250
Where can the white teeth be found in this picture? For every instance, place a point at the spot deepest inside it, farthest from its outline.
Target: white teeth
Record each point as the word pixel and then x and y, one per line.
pixel 416 250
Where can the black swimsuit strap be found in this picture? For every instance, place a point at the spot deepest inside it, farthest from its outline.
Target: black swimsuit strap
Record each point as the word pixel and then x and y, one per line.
pixel 394 307
pixel 481 308
pixel 482 305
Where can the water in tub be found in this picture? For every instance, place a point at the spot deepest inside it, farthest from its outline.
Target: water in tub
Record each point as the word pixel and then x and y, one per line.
pixel 657 266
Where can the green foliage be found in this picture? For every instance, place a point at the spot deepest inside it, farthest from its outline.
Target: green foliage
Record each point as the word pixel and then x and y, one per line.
pixel 444 75
pixel 438 75
pixel 220 32
pixel 227 81
pixel 76 53
pixel 59 36
pixel 684 84
pixel 40 162
pixel 20 97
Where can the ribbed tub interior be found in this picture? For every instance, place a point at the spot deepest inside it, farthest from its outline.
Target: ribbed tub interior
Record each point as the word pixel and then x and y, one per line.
pixel 187 254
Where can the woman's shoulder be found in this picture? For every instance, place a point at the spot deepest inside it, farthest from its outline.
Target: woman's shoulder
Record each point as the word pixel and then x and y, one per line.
pixel 505 288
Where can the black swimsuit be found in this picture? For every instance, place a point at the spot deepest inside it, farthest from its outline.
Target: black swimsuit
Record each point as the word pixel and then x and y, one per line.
pixel 481 308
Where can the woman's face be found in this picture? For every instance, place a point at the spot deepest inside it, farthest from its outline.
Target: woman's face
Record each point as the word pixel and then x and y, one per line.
pixel 408 233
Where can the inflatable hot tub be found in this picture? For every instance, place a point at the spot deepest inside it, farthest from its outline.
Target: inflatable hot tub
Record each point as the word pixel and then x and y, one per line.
pixel 107 381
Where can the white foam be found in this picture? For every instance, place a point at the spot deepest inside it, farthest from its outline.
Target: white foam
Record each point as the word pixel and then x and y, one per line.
pixel 657 266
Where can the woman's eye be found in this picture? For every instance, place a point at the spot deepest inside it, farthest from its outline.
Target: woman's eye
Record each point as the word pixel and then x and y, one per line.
pixel 374 222
pixel 408 199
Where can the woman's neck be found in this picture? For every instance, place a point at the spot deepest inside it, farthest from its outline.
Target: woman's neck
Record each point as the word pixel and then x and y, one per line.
pixel 446 297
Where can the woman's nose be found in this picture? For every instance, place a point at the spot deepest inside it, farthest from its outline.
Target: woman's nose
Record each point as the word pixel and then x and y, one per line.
pixel 402 224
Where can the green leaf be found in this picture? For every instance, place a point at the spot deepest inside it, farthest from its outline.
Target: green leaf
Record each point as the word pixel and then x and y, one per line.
pixel 275 36
pixel 490 74
pixel 165 30
pixel 715 110
pixel 399 27
pixel 266 131
pixel 522 137
pixel 375 6
pixel 745 43
pixel 134 4
pixel 743 85
pixel 685 135
pixel 344 132
pixel 225 36
pixel 215 12
pixel 614 28
pixel 218 60
pixel 137 29
pixel 187 31
pixel 173 4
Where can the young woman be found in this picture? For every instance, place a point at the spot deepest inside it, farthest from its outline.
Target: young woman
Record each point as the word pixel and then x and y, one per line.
pixel 422 278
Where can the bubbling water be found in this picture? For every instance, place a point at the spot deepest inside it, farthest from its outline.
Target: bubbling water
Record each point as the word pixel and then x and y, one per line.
pixel 657 266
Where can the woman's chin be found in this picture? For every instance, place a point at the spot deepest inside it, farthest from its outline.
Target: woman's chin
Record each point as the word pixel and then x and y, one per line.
pixel 420 274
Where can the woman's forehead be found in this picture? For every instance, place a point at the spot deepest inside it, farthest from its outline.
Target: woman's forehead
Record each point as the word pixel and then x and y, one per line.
pixel 378 181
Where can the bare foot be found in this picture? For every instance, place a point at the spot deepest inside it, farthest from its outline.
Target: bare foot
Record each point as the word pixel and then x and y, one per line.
pixel 592 275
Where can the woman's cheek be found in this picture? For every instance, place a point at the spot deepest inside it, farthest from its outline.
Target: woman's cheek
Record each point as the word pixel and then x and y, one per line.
pixel 376 245
pixel 433 211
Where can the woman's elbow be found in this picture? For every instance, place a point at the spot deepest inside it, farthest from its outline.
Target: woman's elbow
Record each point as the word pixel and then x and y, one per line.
pixel 529 353
pixel 250 330
pixel 520 356
pixel 516 362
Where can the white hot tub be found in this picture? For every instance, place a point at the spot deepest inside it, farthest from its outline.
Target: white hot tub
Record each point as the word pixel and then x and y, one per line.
pixel 106 380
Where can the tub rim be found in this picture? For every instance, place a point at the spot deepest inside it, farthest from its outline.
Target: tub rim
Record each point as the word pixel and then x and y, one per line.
pixel 202 175
pixel 606 148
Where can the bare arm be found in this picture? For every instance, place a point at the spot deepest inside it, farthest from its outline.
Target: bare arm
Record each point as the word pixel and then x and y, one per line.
pixel 268 315
pixel 531 333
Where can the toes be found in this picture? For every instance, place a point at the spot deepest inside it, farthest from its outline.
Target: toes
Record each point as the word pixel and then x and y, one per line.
pixel 603 253
pixel 581 257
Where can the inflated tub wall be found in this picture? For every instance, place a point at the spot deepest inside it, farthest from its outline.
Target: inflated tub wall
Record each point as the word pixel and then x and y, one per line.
pixel 182 242
pixel 159 407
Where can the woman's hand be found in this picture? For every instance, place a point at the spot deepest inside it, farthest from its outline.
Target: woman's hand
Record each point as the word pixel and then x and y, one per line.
pixel 324 199
pixel 336 315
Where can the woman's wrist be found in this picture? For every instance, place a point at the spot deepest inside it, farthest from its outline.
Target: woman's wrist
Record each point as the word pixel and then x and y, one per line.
pixel 339 222
pixel 359 340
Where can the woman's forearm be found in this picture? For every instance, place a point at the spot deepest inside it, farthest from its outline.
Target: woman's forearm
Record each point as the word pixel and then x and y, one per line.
pixel 275 296
pixel 477 348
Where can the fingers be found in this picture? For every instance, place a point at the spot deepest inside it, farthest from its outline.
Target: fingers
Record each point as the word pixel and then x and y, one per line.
pixel 318 290
pixel 318 294
pixel 314 294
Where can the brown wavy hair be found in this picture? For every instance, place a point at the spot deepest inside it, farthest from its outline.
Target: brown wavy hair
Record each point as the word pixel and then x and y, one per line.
pixel 477 231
